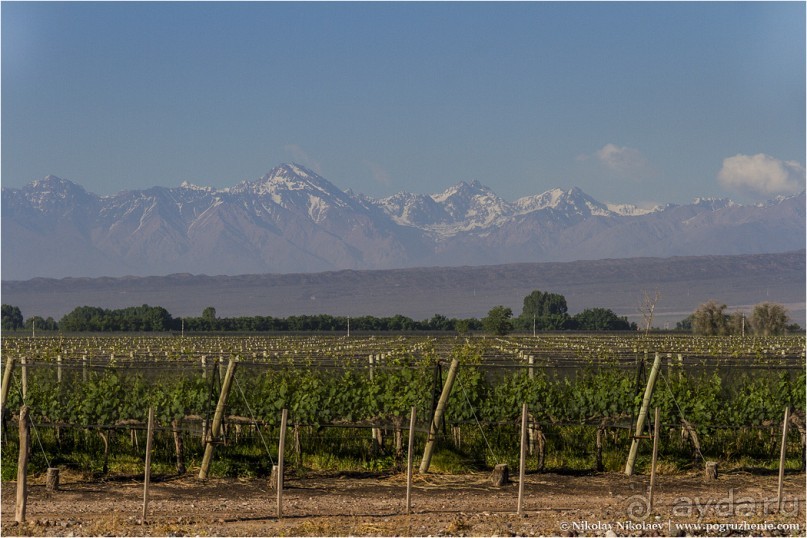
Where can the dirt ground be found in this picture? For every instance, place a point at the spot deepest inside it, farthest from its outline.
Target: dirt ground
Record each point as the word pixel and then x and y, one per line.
pixel 456 505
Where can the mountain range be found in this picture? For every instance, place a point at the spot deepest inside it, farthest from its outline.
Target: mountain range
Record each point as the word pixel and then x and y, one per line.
pixel 292 220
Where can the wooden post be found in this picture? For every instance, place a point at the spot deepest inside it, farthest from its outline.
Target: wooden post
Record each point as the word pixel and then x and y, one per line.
pixel 24 377
pixel 648 393
pixel 147 472
pixel 599 445
pixel 532 432
pixel 409 457
pixel 374 432
pixel 782 455
pixel 22 466
pixel 52 480
pixel 6 382
pixel 178 446
pixel 84 368
pixel 710 470
pixel 280 450
pixel 58 368
pixel 438 415
pixel 655 456
pixel 500 475
pixel 522 458
pixel 218 417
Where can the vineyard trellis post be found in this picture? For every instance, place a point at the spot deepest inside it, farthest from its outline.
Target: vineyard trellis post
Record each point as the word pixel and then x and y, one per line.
pixel 218 418
pixel 6 382
pixel 648 393
pixel 522 459
pixel 22 466
pixel 280 453
pixel 438 415
pixel 374 432
pixel 782 456
pixel 409 458
pixel 147 472
pixel 24 377
pixel 656 429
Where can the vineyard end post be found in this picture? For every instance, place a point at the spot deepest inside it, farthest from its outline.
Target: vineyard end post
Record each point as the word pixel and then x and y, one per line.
pixel 438 415
pixel 648 394
pixel 22 466
pixel 218 418
pixel 522 459
pixel 409 458
pixel 782 456
pixel 6 382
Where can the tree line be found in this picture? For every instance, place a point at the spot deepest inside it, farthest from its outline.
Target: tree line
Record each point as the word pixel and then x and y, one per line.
pixel 542 311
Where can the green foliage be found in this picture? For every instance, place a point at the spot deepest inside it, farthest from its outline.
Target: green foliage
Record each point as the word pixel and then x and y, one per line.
pixel 135 318
pixel 547 310
pixel 40 324
pixel 498 320
pixel 709 319
pixel 769 319
pixel 601 319
pixel 11 318
pixel 326 381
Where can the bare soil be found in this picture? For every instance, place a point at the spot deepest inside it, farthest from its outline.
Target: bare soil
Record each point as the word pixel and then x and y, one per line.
pixel 455 505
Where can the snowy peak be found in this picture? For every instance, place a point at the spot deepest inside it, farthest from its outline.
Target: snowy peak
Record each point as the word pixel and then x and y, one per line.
pixel 294 220
pixel 571 202
pixel 632 210
pixel 416 210
pixel 54 186
pixel 188 186
pixel 298 189
pixel 52 192
pixel 472 205
pixel 713 204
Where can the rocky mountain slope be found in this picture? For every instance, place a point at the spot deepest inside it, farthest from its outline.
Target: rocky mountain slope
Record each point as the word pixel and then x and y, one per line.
pixel 293 220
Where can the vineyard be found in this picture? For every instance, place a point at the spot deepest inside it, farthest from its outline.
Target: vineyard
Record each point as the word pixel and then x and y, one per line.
pixel 349 400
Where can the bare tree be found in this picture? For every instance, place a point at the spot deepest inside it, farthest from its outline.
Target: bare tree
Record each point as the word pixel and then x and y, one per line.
pixel 769 318
pixel 710 319
pixel 648 308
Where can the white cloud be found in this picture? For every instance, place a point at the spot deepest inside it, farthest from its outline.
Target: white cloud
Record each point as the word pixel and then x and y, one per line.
pixel 380 175
pixel 622 160
pixel 761 174
pixel 628 163
pixel 300 156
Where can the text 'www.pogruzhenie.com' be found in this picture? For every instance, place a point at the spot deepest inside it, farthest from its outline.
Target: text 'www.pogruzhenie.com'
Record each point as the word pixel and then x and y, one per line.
pixel 669 526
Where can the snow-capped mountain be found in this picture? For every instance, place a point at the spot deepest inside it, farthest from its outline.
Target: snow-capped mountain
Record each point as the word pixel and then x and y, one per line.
pixel 294 220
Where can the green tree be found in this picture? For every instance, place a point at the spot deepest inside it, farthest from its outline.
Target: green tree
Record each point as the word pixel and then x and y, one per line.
pixel 685 324
pixel 209 321
pixel 498 320
pixel 547 310
pixel 41 324
pixel 11 318
pixel 709 319
pixel 439 322
pixel 600 319
pixel 85 318
pixel 769 319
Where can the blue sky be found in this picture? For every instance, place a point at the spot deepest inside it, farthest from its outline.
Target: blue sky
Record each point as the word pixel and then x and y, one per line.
pixel 632 102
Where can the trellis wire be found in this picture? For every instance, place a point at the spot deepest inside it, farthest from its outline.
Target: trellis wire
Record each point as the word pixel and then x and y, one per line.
pixel 237 384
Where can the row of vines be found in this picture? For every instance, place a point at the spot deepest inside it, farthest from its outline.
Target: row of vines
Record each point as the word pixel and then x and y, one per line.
pixel 582 394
